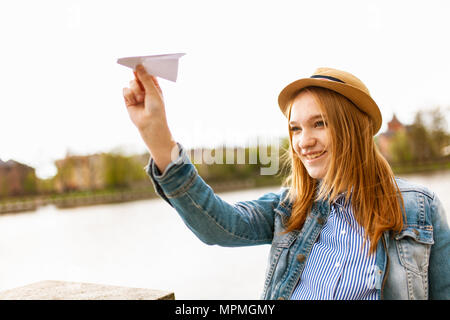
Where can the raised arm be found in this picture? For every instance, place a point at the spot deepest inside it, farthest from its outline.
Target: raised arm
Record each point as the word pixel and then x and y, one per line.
pixel 213 220
pixel 145 105
pixel 177 181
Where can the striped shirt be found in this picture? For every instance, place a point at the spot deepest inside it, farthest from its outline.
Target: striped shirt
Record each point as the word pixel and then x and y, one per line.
pixel 337 268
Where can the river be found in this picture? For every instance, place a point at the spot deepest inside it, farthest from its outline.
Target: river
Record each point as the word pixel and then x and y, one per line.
pixel 141 244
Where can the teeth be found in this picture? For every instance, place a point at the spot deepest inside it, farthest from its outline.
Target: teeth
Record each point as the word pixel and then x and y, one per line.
pixel 314 155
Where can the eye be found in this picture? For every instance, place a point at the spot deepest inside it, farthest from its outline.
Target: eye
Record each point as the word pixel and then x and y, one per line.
pixel 294 129
pixel 319 124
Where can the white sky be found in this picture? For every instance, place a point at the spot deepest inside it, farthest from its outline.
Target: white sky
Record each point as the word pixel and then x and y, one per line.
pixel 61 88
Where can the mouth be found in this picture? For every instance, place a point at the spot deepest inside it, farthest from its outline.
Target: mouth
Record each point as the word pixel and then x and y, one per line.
pixel 314 156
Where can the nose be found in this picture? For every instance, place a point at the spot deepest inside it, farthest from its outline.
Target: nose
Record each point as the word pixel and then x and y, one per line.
pixel 306 140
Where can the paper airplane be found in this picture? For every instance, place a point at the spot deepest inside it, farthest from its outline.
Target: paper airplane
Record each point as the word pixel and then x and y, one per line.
pixel 161 65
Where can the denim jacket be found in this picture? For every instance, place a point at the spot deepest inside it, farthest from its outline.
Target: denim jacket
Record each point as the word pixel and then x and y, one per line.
pixel 412 264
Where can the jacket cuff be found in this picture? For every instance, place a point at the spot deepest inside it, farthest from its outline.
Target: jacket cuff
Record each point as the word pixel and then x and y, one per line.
pixel 176 178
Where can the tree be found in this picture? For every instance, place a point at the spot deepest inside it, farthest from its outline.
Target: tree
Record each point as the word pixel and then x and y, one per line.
pixel 30 183
pixel 122 171
pixel 439 136
pixel 401 149
pixel 115 171
pixel 421 142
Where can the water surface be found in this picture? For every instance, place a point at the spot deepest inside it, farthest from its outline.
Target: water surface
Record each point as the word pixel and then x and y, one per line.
pixel 141 244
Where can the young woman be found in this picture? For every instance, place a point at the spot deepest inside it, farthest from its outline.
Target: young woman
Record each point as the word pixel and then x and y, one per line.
pixel 343 228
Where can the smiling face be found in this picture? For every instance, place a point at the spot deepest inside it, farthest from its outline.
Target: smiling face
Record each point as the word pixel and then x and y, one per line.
pixel 310 135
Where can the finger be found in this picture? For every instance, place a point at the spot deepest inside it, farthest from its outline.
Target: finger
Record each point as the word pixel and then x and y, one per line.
pixel 139 94
pixel 156 83
pixel 146 80
pixel 138 81
pixel 129 97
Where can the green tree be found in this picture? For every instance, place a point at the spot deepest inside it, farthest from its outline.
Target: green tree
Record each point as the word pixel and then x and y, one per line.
pixel 400 148
pixel 115 171
pixel 421 142
pixel 46 186
pixel 30 183
pixel 424 140
pixel 122 171
pixel 439 136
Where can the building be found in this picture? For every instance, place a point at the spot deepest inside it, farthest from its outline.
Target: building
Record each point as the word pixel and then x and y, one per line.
pixel 79 173
pixel 384 139
pixel 100 171
pixel 17 179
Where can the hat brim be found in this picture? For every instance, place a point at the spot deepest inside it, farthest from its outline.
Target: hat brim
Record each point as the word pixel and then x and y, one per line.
pixel 359 98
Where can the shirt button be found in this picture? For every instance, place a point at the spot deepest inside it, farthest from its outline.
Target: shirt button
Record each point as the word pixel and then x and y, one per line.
pixel 320 220
pixel 337 265
pixel 343 232
pixel 280 298
pixel 301 257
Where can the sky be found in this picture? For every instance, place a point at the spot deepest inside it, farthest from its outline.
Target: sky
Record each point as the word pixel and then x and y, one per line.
pixel 61 88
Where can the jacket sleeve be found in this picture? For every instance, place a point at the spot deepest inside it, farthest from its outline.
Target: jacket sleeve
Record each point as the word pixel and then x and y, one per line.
pixel 213 220
pixel 439 267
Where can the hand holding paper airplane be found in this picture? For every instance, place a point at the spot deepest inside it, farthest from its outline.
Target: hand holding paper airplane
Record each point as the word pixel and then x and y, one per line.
pixel 145 105
pixel 163 65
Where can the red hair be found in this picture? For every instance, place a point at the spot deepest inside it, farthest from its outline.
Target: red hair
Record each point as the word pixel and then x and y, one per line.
pixel 356 167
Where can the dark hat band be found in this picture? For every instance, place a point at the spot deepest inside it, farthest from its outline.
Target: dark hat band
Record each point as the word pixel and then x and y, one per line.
pixel 328 78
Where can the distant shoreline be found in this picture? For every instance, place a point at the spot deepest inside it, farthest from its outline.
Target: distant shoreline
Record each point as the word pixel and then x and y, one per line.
pixel 420 168
pixel 91 198
pixel 81 199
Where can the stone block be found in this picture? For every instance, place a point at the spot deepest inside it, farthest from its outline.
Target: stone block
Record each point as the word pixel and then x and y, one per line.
pixel 62 290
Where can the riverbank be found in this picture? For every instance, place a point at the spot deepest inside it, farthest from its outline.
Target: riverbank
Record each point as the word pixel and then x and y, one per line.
pixel 90 198
pixel 80 199
pixel 420 168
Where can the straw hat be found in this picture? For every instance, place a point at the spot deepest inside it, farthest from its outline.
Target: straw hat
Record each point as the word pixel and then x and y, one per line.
pixel 339 81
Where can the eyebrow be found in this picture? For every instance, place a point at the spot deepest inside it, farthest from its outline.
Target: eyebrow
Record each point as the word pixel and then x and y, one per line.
pixel 311 119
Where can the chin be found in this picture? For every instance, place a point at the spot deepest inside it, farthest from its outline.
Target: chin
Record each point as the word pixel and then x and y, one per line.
pixel 316 175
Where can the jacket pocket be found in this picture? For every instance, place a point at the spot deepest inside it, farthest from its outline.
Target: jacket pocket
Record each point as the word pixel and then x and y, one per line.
pixel 413 247
pixel 278 262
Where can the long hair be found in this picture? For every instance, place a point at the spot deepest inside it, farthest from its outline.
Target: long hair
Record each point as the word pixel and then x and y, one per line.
pixel 356 167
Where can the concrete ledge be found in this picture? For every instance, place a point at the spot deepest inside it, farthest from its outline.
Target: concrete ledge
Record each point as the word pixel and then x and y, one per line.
pixel 62 290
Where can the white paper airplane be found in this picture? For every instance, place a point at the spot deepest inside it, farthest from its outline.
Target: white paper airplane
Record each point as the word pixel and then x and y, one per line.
pixel 161 65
